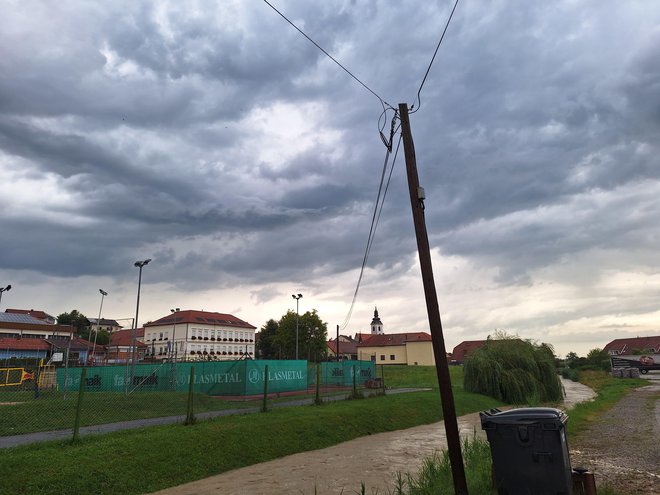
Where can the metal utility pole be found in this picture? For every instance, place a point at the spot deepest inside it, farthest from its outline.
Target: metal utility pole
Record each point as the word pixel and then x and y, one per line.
pixel 435 324
pixel 134 354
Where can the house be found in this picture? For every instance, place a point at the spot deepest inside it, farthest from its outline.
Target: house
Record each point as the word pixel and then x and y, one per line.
pixel 13 348
pixel 79 351
pixel 120 348
pixel 104 324
pixel 415 348
pixel 347 348
pixel 39 315
pixel 633 345
pixel 26 326
pixel 199 335
pixel 462 350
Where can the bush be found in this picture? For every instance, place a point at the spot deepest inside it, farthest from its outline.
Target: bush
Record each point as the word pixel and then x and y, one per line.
pixel 514 371
pixel 571 374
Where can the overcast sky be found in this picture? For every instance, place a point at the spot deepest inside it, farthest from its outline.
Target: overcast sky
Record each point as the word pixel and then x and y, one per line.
pixel 215 139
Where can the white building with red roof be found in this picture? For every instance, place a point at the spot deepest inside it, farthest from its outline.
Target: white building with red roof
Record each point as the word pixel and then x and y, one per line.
pixel 634 345
pixel 199 335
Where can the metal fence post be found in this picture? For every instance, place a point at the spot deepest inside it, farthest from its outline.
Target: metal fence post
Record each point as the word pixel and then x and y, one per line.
pixel 81 392
pixel 354 383
pixel 190 416
pixel 317 401
pixel 264 406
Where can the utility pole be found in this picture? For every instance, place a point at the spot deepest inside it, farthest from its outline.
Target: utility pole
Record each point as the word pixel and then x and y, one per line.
pixel 435 324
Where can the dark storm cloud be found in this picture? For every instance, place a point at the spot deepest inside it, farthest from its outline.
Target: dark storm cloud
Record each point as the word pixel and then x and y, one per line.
pixel 149 117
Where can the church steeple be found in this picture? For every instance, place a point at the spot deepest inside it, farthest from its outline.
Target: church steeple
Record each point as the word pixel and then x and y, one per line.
pixel 376 324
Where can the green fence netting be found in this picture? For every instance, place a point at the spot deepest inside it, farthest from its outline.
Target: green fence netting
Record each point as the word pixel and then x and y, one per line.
pixel 231 378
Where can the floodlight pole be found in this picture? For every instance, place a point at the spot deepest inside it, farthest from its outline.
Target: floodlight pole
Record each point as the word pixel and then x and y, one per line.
pixel 442 367
pixel 4 289
pixel 174 350
pixel 98 324
pixel 137 264
pixel 297 298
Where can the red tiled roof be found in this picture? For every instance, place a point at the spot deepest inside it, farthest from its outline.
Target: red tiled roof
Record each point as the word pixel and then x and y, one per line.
pixel 24 344
pixel 462 350
pixel 74 344
pixel 344 347
pixel 47 327
pixel 125 338
pixel 627 346
pixel 394 339
pixel 362 337
pixel 201 317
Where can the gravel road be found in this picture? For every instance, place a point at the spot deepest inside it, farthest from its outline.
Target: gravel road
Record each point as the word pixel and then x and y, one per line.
pixel 623 448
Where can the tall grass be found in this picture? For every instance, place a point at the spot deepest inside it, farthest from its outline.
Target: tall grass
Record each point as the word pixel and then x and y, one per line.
pixel 513 371
pixel 435 476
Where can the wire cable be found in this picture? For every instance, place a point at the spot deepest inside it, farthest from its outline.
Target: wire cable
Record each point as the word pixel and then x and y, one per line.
pixel 432 60
pixel 378 208
pixel 382 102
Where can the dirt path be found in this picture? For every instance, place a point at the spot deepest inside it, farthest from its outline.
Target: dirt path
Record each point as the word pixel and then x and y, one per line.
pixel 623 448
pixel 339 469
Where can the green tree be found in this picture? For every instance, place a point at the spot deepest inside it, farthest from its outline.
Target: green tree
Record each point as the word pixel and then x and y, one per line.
pixel 598 359
pixel 103 338
pixel 267 346
pixel 75 319
pixel 513 370
pixel 312 336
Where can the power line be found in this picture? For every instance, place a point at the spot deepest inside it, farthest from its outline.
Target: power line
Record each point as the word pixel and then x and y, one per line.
pixel 382 102
pixel 378 208
pixel 432 60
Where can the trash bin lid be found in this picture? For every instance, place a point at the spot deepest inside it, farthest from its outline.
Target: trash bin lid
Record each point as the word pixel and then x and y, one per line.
pixel 523 416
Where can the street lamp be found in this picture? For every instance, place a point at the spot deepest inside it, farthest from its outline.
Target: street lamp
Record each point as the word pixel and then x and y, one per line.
pixel 137 264
pixel 4 289
pixel 98 323
pixel 297 298
pixel 174 349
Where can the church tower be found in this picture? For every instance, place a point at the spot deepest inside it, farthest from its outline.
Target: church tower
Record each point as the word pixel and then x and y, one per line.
pixel 376 324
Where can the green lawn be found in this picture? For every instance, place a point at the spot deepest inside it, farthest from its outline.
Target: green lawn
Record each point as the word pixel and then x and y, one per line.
pixel 52 412
pixel 417 376
pixel 148 459
pixel 22 413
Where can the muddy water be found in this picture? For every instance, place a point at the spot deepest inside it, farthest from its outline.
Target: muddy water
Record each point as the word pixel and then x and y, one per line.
pixel 340 469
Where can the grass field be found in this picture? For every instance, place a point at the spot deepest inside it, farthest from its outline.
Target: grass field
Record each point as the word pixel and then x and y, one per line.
pixel 52 411
pixel 57 413
pixel 148 459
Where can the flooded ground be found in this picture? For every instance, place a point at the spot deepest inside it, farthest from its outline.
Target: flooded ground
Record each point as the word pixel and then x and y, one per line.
pixel 340 469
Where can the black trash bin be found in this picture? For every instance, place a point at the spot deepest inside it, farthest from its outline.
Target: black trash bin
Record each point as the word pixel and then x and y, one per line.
pixel 529 450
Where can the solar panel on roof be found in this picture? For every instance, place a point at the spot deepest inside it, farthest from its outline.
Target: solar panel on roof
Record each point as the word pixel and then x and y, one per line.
pixel 20 318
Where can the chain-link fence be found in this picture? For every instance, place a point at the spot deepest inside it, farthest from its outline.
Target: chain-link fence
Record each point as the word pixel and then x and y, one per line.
pixel 36 398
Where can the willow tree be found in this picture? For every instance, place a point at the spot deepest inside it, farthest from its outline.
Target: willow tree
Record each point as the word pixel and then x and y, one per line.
pixel 514 371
